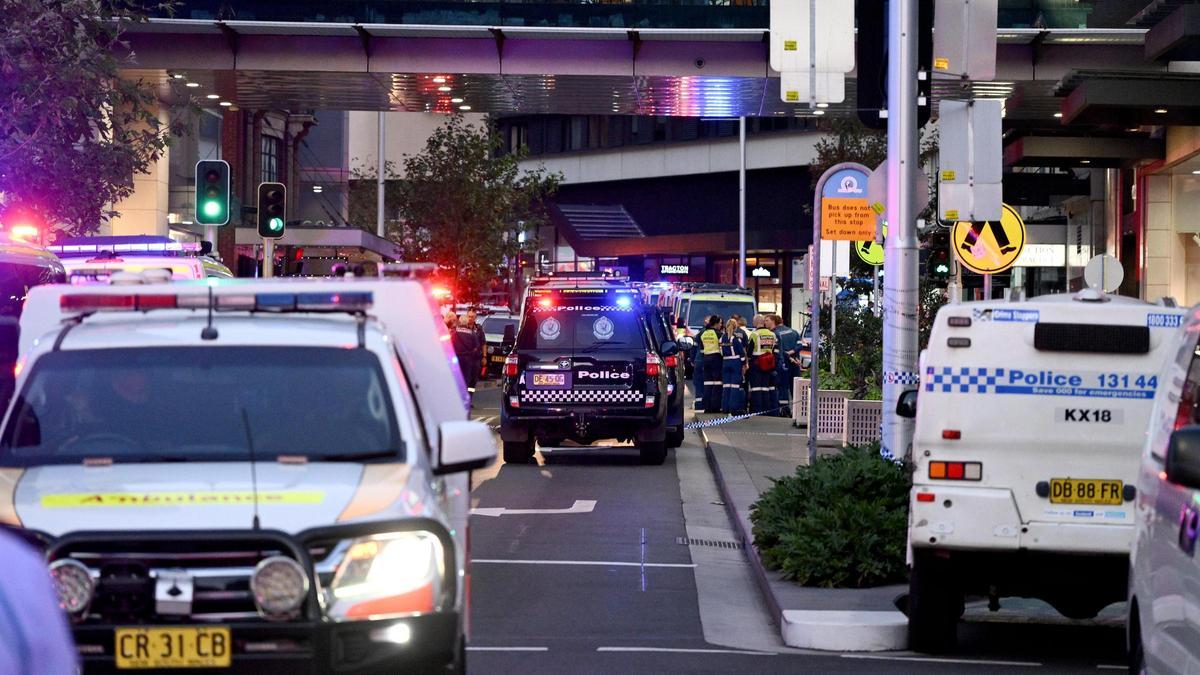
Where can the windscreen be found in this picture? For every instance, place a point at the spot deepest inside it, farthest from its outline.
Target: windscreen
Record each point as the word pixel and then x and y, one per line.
pixel 202 404
pixel 700 310
pixel 581 327
pixel 494 325
pixel 17 279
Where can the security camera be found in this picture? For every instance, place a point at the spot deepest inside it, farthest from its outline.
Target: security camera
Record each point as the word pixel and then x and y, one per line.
pixel 700 62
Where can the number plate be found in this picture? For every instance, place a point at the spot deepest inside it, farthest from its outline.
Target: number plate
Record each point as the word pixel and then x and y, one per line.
pixel 207 647
pixel 549 379
pixel 1086 491
pixel 497 359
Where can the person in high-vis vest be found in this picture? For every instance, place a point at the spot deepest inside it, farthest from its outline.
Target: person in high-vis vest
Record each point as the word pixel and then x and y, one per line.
pixel 710 351
pixel 733 364
pixel 763 397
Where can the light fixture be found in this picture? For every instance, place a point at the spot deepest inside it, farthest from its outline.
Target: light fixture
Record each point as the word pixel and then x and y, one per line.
pixel 177 76
pixel 1160 111
pixel 1057 115
pixel 456 100
pixel 225 104
pixel 822 105
pixel 443 88
pixel 213 96
pixel 317 189
pixel 74 586
pixel 192 84
pixel 1085 161
pixel 399 633
pixel 464 107
pixel 279 586
pixel 818 112
pixel 439 79
pixel 1196 172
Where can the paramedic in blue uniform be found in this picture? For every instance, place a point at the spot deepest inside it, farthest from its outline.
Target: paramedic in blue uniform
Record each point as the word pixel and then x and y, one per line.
pixel 733 364
pixel 710 349
pixel 788 367
pixel 763 396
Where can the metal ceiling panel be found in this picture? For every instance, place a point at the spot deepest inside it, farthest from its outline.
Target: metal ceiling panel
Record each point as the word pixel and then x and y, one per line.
pixel 1177 37
pixel 311 53
pixel 433 55
pixel 1129 102
pixel 1081 151
pixel 589 57
pixel 708 59
pixel 291 28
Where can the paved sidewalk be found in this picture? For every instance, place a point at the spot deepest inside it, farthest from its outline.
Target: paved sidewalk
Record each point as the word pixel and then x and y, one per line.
pixel 745 456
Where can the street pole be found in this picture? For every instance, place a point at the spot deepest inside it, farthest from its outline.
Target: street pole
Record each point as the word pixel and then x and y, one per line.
pixel 987 287
pixel 268 258
pixel 379 174
pixel 742 203
pixel 833 292
pixel 900 248
pixel 210 235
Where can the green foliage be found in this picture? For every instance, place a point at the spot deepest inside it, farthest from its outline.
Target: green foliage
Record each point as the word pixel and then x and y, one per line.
pixel 841 523
pixel 74 131
pixel 848 141
pixel 859 343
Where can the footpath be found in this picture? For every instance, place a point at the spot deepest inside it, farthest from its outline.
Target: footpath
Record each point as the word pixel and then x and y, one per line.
pixel 745 456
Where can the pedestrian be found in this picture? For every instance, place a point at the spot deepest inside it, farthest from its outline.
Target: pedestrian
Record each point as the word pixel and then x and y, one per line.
pixel 462 339
pixel 480 345
pixel 733 365
pixel 763 396
pixel 787 368
pixel 710 349
pixel 34 637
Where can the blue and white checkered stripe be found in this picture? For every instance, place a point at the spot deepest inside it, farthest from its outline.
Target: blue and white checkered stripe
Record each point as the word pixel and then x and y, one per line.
pixel 962 380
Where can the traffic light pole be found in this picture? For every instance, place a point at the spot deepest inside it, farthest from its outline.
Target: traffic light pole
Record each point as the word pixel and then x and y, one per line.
pixel 901 258
pixel 741 277
pixel 268 266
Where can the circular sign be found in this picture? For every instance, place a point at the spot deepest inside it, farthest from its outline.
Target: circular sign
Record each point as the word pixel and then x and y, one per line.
pixel 870 251
pixel 989 247
pixel 1104 272
pixel 603 328
pixel 549 329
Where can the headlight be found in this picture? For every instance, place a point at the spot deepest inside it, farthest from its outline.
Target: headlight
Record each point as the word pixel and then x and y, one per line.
pixel 74 585
pixel 279 585
pixel 388 575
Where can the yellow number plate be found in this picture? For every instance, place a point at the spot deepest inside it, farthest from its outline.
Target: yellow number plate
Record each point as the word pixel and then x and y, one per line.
pixel 1086 491
pixel 207 647
pixel 497 359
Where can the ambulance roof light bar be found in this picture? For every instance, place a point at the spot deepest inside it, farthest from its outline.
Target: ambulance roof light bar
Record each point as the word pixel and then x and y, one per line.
pixel 92 249
pixel 334 302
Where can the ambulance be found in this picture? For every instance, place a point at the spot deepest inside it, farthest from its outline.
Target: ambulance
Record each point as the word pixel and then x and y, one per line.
pixel 1025 457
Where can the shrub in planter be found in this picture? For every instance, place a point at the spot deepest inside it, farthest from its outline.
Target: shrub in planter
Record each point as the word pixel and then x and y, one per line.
pixel 840 523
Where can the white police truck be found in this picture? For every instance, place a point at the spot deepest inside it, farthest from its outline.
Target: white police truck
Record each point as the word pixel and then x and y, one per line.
pixel 251 476
pixel 1025 455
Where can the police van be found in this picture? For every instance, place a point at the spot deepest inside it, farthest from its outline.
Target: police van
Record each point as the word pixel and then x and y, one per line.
pixel 247 475
pixel 585 367
pixel 1025 457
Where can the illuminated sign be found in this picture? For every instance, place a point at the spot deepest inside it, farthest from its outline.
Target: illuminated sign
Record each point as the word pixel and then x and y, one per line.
pixel 674 269
pixel 760 272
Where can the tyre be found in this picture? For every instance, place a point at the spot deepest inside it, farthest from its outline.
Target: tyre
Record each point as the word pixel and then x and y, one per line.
pixel 934 605
pixel 518 452
pixel 675 437
pixel 653 452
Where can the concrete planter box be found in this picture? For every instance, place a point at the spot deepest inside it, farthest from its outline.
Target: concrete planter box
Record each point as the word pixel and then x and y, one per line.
pixel 839 417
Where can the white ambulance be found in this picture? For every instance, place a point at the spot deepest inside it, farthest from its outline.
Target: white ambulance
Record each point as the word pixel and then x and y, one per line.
pixel 247 474
pixel 1025 457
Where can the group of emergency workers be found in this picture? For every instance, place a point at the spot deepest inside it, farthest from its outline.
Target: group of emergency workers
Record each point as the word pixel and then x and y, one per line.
pixel 736 364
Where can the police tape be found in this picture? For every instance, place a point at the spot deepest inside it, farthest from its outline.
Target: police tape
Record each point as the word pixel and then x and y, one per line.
pixel 716 422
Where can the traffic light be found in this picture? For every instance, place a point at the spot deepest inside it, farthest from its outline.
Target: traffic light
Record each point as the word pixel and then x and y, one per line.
pixel 272 210
pixel 212 192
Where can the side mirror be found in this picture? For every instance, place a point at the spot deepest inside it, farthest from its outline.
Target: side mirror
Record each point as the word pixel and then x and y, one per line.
pixel 668 348
pixel 1183 457
pixel 510 335
pixel 464 446
pixel 906 405
pixel 685 342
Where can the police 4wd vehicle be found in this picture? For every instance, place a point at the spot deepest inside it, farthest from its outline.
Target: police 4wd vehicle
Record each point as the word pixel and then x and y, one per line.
pixel 585 367
pixel 258 476
pixel 671 352
pixel 1031 421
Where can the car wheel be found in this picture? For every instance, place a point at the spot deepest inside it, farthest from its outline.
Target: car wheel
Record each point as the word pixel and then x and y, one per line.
pixel 653 452
pixel 675 437
pixel 518 452
pixel 934 605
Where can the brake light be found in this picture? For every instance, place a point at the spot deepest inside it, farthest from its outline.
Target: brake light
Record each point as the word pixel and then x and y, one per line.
pixel 545 302
pixel 925 496
pixel 671 361
pixel 951 434
pixel 510 365
pixel 1186 409
pixel 440 293
pixel 653 365
pixel 956 470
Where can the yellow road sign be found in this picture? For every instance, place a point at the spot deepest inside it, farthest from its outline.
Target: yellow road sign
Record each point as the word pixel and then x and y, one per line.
pixel 870 251
pixel 988 247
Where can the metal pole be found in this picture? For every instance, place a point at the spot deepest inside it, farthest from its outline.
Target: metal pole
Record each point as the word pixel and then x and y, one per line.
pixel 833 292
pixel 875 289
pixel 742 202
pixel 380 177
pixel 900 249
pixel 814 284
pixel 210 235
pixel 987 287
pixel 268 258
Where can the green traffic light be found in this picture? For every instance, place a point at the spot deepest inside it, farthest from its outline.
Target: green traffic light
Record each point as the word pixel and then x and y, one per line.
pixel 276 224
pixel 212 209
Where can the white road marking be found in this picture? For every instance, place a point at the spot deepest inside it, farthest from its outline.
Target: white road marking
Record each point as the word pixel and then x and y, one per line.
pixel 1106 666
pixel 580 506
pixel 675 650
pixel 508 649
pixel 928 659
pixel 598 563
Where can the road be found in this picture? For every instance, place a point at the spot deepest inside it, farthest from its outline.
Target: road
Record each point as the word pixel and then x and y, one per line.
pixel 616 588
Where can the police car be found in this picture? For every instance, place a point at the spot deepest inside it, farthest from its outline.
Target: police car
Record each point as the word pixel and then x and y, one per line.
pixel 91 259
pixel 1031 418
pixel 1164 582
pixel 248 476
pixel 585 367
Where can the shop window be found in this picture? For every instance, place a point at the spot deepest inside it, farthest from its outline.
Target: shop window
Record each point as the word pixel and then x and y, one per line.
pixel 270 159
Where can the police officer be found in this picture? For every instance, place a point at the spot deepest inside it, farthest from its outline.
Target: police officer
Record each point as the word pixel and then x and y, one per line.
pixel 480 347
pixel 789 362
pixel 763 396
pixel 733 364
pixel 710 349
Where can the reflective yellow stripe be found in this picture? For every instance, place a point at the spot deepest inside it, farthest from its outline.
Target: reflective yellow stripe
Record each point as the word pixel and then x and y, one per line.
pixel 225 498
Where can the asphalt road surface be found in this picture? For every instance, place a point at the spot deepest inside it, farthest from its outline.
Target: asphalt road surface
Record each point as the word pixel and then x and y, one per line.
pixel 582 565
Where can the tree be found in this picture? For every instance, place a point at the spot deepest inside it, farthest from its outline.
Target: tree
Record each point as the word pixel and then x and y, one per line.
pixel 462 202
pixel 73 131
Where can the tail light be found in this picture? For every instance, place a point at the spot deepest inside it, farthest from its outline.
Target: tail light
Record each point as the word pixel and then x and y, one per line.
pixel 671 361
pixel 653 365
pixel 510 365
pixel 956 470
pixel 925 497
pixel 1185 413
